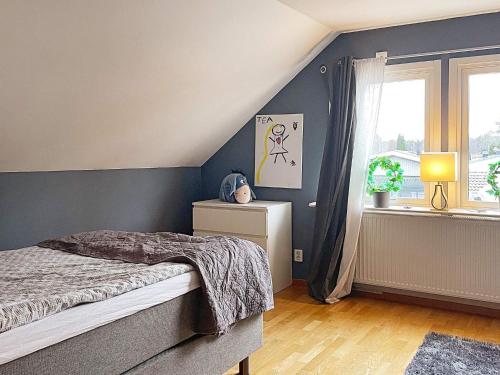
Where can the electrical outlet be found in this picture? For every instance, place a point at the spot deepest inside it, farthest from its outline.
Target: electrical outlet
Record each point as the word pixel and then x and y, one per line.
pixel 298 255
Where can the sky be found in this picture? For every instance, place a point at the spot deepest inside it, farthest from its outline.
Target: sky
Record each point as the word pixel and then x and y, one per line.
pixel 484 103
pixel 402 109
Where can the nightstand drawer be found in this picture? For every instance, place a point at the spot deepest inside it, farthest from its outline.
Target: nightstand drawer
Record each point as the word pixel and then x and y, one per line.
pixel 237 221
pixel 261 241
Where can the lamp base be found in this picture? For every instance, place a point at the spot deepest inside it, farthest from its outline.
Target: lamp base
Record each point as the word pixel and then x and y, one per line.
pixel 442 205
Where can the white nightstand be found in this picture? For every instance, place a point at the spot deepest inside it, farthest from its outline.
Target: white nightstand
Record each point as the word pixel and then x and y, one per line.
pixel 267 223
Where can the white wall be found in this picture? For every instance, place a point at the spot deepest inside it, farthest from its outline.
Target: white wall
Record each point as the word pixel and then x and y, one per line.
pixel 104 84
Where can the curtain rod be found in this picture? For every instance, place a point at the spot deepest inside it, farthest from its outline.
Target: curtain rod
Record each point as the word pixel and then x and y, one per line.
pixel 424 54
pixel 444 52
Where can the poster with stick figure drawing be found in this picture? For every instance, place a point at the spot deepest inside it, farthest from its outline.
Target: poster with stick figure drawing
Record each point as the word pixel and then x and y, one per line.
pixel 278 150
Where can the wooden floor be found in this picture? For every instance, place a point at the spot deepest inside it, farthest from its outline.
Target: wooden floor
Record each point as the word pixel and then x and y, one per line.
pixel 358 335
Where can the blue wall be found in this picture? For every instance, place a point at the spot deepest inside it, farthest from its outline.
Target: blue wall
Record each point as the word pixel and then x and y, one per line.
pixel 40 205
pixel 307 94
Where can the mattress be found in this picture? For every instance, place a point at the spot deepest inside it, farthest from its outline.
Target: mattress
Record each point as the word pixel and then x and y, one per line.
pixel 21 341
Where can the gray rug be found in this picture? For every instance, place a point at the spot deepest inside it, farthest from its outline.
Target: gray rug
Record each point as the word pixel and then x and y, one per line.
pixel 448 355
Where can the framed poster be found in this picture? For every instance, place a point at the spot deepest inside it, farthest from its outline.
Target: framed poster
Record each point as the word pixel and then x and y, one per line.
pixel 278 150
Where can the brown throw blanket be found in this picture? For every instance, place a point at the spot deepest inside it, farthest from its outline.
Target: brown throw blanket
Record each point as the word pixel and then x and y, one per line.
pixel 235 275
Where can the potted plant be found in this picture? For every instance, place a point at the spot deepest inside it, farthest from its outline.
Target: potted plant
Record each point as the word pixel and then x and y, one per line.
pixel 381 192
pixel 493 172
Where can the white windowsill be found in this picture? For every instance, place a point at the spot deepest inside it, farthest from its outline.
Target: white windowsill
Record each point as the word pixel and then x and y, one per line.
pixel 420 211
pixel 461 212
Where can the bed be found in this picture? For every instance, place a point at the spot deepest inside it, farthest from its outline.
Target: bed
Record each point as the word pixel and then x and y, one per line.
pixel 153 329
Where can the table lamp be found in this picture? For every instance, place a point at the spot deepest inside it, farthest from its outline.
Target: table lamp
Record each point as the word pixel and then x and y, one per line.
pixel 438 167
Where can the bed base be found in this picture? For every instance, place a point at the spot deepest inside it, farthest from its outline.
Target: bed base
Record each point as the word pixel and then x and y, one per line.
pixel 158 340
pixel 208 355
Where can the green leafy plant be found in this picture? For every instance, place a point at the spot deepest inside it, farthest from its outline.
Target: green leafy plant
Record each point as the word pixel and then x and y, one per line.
pixel 393 172
pixel 491 179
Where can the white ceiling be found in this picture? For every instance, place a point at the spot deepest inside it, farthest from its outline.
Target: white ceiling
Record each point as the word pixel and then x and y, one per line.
pixel 345 15
pixel 103 84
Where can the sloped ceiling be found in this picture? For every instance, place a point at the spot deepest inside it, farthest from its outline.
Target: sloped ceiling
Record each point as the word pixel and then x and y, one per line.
pixel 102 84
pixel 345 15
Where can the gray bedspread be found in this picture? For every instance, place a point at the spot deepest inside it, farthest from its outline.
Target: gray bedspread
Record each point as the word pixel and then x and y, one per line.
pixel 37 282
pixel 235 275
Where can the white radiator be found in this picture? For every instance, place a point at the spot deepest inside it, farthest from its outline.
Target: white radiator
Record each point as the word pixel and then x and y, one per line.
pixel 458 257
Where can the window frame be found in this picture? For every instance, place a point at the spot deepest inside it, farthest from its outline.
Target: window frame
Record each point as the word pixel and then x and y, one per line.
pixel 458 127
pixel 430 71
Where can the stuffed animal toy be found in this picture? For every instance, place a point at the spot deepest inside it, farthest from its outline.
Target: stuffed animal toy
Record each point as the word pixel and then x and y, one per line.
pixel 235 189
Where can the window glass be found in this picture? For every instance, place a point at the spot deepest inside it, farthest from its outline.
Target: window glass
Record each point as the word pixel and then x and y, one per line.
pixel 484 132
pixel 401 132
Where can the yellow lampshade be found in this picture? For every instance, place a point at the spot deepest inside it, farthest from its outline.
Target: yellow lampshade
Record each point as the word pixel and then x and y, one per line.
pixel 438 166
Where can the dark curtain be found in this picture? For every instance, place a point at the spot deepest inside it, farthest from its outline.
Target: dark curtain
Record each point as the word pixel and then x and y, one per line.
pixel 333 189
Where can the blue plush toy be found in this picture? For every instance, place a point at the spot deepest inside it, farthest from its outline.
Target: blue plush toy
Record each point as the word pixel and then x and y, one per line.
pixel 235 189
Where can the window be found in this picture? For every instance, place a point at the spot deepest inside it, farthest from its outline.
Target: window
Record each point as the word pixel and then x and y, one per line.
pixel 409 123
pixel 474 129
